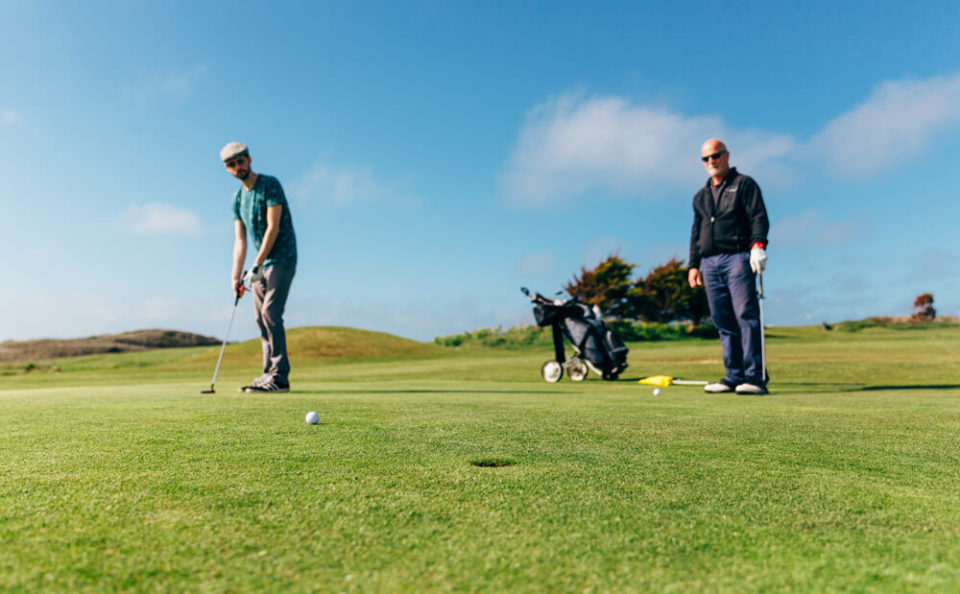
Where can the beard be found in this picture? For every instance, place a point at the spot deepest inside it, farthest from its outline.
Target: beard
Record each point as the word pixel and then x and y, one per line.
pixel 716 171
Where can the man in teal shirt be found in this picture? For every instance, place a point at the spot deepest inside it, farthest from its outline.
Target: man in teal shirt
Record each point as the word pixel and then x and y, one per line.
pixel 260 208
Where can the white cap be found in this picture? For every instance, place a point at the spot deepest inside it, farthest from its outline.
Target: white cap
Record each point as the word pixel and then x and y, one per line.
pixel 231 150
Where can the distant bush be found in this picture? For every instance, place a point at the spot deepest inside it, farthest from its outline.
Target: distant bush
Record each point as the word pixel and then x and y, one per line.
pixel 518 337
pixel 642 331
pixel 895 323
pixel 923 310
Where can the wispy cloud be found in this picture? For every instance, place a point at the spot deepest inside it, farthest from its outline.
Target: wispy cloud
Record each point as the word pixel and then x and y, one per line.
pixel 161 219
pixel 177 84
pixel 541 264
pixel 812 229
pixel 571 144
pixel 346 185
pixel 10 117
pixel 897 121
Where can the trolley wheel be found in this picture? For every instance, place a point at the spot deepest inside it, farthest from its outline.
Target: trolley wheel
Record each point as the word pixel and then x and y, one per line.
pixel 551 372
pixel 577 369
pixel 611 376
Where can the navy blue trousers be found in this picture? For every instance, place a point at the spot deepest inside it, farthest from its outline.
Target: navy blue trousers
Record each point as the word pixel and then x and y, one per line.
pixel 735 309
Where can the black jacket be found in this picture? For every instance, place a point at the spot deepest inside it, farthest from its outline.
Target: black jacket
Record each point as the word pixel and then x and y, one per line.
pixel 734 224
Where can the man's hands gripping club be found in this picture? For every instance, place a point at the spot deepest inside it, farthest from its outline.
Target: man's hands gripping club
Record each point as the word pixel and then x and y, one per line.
pixel 246 280
pixel 254 275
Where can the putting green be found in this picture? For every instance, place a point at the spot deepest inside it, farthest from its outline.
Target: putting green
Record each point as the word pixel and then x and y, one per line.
pixel 437 469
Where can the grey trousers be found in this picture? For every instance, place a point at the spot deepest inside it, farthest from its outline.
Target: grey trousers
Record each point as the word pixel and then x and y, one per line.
pixel 269 301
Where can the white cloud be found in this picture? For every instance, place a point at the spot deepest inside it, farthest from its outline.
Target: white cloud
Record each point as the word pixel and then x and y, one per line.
pixel 572 144
pixel 9 117
pixel 162 219
pixel 897 121
pixel 347 185
pixel 178 84
pixel 811 229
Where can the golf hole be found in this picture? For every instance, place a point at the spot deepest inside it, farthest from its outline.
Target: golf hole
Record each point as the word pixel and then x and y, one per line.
pixel 493 462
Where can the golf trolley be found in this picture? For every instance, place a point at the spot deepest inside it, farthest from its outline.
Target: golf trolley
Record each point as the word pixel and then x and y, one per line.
pixel 596 346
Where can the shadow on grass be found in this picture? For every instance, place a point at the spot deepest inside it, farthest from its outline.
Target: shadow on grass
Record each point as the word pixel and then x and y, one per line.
pixel 438 391
pixel 912 387
pixel 861 387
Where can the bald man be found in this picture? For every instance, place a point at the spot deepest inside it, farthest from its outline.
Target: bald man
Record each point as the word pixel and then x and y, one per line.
pixel 727 250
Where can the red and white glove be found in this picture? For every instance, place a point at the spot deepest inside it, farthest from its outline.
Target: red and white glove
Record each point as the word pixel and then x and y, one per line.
pixel 758 259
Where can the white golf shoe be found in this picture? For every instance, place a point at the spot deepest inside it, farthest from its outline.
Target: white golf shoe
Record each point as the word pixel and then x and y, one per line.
pixel 718 388
pixel 751 389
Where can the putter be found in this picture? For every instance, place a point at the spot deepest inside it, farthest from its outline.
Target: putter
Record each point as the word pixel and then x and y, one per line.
pixel 236 302
pixel 763 331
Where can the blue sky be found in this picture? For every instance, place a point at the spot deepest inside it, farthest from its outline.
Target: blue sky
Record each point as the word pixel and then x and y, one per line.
pixel 439 155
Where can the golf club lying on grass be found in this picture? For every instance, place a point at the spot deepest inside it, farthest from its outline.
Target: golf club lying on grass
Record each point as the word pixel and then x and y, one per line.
pixel 233 314
pixel 666 380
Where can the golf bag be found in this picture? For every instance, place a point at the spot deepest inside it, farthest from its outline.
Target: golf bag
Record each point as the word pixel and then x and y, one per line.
pixel 596 346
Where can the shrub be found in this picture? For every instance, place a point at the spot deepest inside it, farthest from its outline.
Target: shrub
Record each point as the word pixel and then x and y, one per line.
pixel 923 310
pixel 525 336
pixel 516 337
pixel 894 323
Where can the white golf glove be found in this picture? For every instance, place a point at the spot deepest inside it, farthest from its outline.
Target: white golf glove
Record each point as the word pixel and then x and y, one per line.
pixel 758 259
pixel 255 275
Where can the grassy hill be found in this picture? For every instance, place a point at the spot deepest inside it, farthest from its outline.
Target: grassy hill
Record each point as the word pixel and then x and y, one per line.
pixel 140 340
pixel 307 347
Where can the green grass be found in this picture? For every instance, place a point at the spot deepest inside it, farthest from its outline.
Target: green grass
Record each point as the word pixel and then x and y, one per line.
pixel 439 469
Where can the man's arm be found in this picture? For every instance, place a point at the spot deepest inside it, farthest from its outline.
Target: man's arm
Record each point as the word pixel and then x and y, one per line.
pixel 239 256
pixel 693 274
pixel 274 213
pixel 757 213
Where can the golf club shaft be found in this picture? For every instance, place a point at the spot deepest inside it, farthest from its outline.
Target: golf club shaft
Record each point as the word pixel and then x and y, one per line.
pixel 763 330
pixel 224 345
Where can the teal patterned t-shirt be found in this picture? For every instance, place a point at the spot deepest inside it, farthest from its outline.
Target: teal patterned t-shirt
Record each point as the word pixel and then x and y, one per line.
pixel 250 206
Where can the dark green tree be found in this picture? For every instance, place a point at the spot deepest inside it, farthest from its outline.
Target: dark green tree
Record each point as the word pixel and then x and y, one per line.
pixel 608 285
pixel 665 296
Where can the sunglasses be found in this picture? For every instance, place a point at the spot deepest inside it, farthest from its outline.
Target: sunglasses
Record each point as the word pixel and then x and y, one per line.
pixel 234 162
pixel 713 156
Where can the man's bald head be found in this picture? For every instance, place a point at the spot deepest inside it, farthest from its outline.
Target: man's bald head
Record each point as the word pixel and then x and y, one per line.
pixel 716 159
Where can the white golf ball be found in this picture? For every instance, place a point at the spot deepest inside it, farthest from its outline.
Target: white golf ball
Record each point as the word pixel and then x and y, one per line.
pixel 312 418
pixel 656 391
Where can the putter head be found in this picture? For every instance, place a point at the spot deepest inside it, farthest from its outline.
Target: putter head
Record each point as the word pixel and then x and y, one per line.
pixel 210 391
